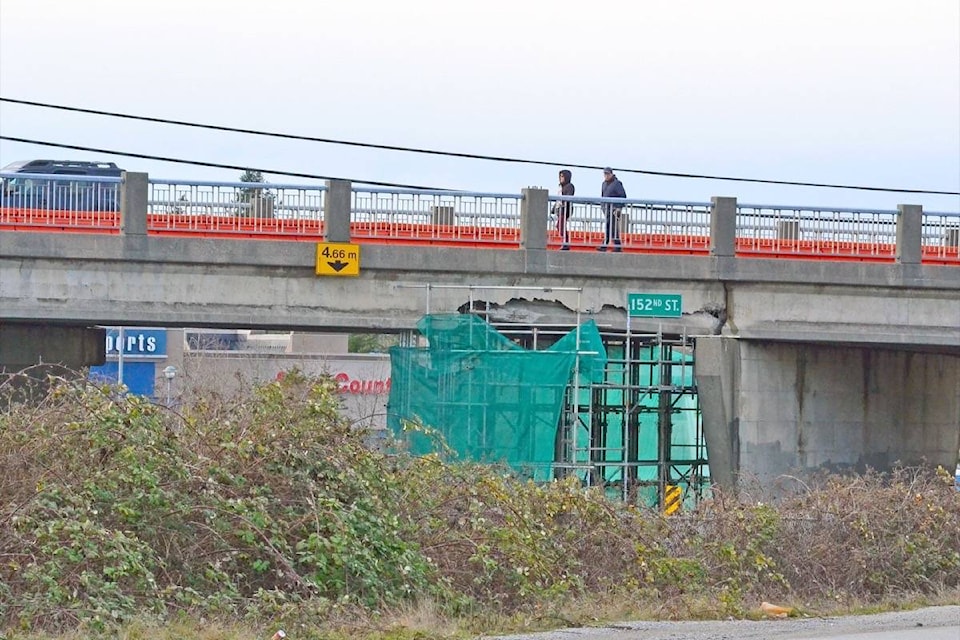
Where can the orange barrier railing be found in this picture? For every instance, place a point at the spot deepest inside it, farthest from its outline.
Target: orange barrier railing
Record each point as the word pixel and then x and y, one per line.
pixel 441 235
pixel 17 219
pixel 941 255
pixel 107 222
pixel 236 228
pixel 815 249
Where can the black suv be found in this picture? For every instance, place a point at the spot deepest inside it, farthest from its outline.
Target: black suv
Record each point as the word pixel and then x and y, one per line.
pixel 69 185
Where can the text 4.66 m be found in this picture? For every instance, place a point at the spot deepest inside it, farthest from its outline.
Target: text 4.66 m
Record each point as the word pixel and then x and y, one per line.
pixel 338 254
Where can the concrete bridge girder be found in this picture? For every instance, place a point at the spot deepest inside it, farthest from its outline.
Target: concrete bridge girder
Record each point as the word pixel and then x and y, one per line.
pixel 258 284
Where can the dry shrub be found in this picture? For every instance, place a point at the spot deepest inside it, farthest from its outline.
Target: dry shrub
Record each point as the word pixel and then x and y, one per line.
pixel 873 534
pixel 270 507
pixel 841 539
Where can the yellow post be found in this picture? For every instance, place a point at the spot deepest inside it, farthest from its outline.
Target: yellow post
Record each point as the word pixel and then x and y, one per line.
pixel 672 497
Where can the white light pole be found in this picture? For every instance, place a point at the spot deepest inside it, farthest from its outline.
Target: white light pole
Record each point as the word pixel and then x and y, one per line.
pixel 120 356
pixel 169 372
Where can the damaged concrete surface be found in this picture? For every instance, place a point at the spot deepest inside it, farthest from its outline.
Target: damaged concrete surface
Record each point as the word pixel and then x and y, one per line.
pixel 538 312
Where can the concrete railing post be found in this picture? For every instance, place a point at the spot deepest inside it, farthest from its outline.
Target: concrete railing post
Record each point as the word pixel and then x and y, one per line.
pixel 909 233
pixel 533 218
pixel 723 226
pixel 133 203
pixel 336 210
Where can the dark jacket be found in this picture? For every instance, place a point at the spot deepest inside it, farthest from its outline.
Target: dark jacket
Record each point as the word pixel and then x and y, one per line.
pixel 564 209
pixel 612 189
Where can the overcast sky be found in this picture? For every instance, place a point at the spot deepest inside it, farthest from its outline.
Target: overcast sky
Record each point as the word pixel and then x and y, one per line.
pixel 862 92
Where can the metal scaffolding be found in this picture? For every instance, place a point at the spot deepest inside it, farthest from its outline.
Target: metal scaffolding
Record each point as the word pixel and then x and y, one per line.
pixel 638 433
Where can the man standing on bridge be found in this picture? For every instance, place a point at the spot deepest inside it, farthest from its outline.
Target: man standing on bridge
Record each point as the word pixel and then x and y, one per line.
pixel 611 188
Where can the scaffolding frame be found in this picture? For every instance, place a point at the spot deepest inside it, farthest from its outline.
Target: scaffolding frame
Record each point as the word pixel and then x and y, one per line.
pixel 600 427
pixel 617 404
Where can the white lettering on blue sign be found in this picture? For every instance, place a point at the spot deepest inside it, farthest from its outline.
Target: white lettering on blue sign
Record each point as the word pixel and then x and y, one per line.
pixel 137 342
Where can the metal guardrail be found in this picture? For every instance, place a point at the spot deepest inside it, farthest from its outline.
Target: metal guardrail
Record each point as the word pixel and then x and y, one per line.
pixel 866 233
pixel 435 216
pixel 244 208
pixel 60 202
pixel 941 234
pixel 654 225
pixel 401 216
pixel 795 230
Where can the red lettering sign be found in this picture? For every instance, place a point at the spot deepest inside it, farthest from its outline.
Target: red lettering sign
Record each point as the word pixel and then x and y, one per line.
pixel 346 384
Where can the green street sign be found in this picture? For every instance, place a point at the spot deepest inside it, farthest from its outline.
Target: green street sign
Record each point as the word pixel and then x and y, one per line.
pixel 654 305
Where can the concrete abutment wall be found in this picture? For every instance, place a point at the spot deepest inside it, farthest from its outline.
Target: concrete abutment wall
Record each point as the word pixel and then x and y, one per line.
pixel 774 408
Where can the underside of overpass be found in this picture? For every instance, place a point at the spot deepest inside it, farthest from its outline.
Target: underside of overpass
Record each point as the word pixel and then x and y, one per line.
pixel 767 412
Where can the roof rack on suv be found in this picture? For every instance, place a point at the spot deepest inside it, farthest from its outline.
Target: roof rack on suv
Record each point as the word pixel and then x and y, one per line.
pixel 49 166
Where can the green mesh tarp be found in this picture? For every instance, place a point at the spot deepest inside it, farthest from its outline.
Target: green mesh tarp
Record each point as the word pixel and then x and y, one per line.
pixel 490 399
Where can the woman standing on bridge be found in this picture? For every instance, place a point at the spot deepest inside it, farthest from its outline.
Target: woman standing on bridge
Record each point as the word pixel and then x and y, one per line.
pixel 563 209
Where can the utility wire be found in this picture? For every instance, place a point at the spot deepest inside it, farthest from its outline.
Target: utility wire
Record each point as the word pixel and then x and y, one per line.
pixel 216 165
pixel 454 154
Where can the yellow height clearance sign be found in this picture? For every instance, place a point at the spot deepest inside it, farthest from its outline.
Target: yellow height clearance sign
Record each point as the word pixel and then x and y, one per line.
pixel 672 498
pixel 338 259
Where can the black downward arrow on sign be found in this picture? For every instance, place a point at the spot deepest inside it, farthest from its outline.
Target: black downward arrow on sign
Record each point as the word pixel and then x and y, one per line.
pixel 338 266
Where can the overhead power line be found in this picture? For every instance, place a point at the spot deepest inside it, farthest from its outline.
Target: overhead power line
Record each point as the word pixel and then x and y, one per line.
pixel 215 165
pixel 471 156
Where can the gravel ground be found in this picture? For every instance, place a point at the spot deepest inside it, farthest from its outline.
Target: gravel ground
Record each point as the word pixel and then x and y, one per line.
pixel 939 621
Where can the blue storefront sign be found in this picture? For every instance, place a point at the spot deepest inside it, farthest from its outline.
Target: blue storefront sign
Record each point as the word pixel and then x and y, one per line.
pixel 142 348
pixel 139 377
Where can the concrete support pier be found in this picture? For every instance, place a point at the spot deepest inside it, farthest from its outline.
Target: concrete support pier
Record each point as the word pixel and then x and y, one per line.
pixel 775 408
pixel 27 345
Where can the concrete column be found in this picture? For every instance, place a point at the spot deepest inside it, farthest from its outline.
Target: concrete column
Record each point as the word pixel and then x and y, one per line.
pixel 175 344
pixel 533 218
pixel 133 203
pixel 171 388
pixel 723 226
pixel 909 231
pixel 323 343
pixel 336 211
pixel 25 345
pixel 716 368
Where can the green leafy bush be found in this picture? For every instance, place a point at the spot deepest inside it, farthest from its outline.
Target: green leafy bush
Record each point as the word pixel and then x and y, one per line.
pixel 117 506
pixel 272 508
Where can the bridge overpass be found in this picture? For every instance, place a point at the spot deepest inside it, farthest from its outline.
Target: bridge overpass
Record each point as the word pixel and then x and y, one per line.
pixel 810 352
